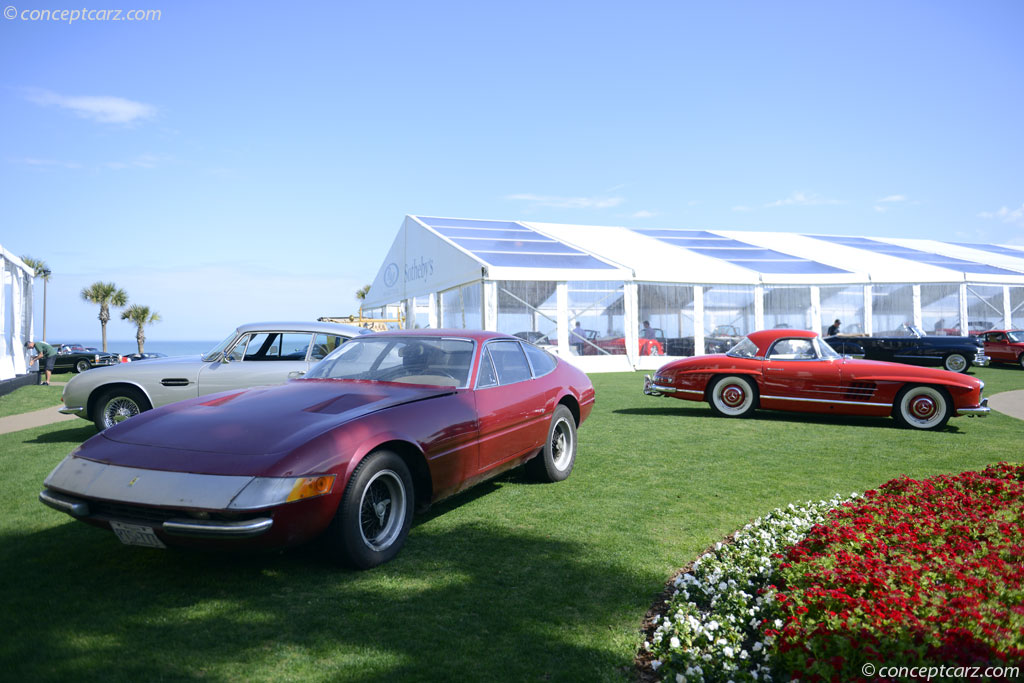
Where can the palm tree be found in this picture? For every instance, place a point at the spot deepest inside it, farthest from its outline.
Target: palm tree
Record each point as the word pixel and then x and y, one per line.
pixel 141 316
pixel 43 271
pixel 362 292
pixel 106 294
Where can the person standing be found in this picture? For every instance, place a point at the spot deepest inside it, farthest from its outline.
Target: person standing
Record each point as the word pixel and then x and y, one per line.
pixel 577 338
pixel 47 356
pixel 833 329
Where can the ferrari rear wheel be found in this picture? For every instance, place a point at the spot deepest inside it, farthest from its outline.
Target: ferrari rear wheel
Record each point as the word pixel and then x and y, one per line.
pixel 1020 361
pixel 956 362
pixel 117 405
pixel 922 407
pixel 82 366
pixel 373 519
pixel 556 459
pixel 732 396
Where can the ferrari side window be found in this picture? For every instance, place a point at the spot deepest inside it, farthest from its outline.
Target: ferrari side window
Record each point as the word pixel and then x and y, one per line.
pixel 486 377
pixel 542 361
pixel 509 362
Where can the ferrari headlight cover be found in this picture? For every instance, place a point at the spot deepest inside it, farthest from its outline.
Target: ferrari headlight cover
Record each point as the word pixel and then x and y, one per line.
pixel 263 492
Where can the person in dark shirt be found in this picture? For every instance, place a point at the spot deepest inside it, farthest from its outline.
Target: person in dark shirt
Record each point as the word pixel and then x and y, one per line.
pixel 833 329
pixel 47 357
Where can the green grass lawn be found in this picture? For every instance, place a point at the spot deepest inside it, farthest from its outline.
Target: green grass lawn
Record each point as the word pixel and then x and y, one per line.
pixel 30 398
pixel 509 581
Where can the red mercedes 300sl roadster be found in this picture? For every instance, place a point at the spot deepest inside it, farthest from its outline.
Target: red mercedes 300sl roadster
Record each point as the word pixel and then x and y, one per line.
pixel 795 370
pixel 384 424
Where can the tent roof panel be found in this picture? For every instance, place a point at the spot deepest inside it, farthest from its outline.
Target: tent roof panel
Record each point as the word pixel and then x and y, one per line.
pixel 918 255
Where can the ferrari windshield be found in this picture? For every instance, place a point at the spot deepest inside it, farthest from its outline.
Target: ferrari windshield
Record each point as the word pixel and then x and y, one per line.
pixel 437 361
pixel 1016 335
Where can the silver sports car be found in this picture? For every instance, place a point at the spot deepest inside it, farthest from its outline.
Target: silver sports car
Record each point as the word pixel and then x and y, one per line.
pixel 253 355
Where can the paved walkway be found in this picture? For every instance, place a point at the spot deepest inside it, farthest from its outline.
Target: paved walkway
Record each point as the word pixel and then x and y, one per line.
pixel 37 418
pixel 1009 403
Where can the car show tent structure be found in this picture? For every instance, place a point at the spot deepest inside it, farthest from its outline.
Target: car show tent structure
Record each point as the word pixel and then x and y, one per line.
pixel 15 314
pixel 694 286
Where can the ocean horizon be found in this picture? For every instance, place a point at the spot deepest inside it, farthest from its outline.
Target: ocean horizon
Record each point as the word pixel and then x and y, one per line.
pixel 171 348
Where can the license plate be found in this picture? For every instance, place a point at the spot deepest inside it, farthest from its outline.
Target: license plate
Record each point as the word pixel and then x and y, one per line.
pixel 136 534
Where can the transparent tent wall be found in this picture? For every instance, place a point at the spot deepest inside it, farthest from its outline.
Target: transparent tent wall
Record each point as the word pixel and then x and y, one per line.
pixel 598 307
pixel 984 308
pixel 529 309
pixel 1017 307
pixel 728 310
pixel 940 308
pixel 787 307
pixel 845 304
pixel 461 307
pixel 669 308
pixel 891 307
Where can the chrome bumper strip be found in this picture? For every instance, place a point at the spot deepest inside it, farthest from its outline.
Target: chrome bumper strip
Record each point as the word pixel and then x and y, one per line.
pixel 827 400
pixel 981 411
pixel 652 389
pixel 196 528
pixel 71 411
pixel 65 504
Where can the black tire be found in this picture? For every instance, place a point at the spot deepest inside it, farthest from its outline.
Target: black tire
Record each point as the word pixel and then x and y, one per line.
pixel 956 362
pixel 117 405
pixel 375 513
pixel 920 406
pixel 555 461
pixel 1020 361
pixel 82 365
pixel 732 396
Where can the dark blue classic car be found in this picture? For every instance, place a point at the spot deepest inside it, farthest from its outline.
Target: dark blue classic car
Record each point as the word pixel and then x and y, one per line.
pixel 911 345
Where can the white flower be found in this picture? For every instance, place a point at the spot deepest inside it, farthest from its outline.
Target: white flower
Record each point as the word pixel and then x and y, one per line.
pixel 674 643
pixel 758 646
pixel 727 651
pixel 680 678
pixel 656 664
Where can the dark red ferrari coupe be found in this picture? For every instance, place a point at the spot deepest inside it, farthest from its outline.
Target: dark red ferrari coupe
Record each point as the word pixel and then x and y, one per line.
pixel 383 425
pixel 795 370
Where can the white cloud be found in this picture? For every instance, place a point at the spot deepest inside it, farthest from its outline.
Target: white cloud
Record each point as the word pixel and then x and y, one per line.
pixel 105 109
pixel 643 214
pixel 893 198
pixel 48 163
pixel 803 199
pixel 568 202
pixel 741 208
pixel 1013 216
pixel 141 161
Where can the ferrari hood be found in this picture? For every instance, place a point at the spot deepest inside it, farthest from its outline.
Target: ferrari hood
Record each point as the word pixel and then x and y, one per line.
pixel 260 421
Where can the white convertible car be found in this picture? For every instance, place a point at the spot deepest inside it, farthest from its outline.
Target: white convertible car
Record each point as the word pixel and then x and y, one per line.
pixel 253 355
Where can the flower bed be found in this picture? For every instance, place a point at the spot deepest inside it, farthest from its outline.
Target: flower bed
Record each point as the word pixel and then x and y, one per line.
pixel 918 572
pixel 711 628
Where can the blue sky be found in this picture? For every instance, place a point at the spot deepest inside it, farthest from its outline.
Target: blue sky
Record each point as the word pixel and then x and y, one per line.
pixel 233 162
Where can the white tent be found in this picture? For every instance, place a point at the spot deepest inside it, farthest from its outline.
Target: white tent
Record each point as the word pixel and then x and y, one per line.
pixel 540 279
pixel 15 314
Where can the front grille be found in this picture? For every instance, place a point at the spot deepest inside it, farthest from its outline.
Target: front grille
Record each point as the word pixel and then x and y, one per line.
pixel 143 514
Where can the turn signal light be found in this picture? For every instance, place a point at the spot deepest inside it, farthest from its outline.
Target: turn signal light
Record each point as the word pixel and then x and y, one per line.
pixel 310 487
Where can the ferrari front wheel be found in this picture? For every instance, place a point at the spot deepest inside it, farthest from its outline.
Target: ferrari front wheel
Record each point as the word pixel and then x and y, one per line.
pixel 732 396
pixel 922 407
pixel 373 519
pixel 556 458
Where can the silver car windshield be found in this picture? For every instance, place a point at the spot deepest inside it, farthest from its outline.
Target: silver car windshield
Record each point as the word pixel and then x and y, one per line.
pixel 410 360
pixel 215 352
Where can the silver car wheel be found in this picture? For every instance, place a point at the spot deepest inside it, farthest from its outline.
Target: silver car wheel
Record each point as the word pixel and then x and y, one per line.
pixel 563 446
pixel 82 366
pixel 733 396
pixel 119 409
pixel 382 510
